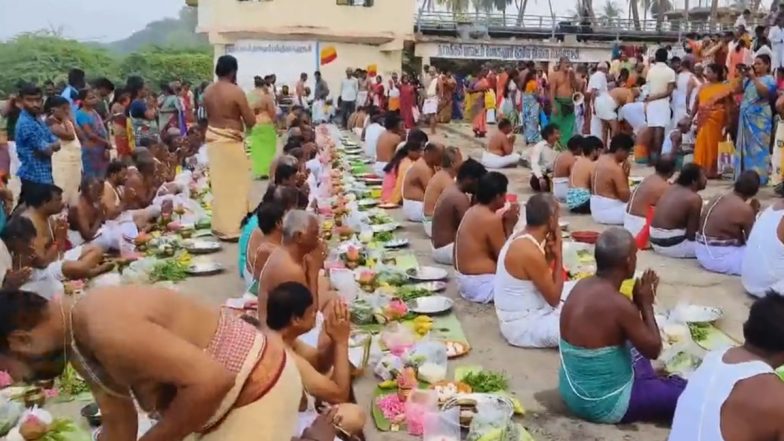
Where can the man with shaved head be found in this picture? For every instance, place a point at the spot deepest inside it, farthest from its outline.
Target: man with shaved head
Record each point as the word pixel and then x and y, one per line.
pixel 416 179
pixel 450 164
pixel 608 340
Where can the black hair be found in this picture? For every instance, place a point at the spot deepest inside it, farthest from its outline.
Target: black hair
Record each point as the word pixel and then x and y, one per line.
pixel 539 209
pixel 269 214
pixel 225 66
pixel 763 329
pixel 748 183
pixel 764 57
pixel 286 302
pixel 56 101
pixel 491 185
pixel 391 121
pixel 718 69
pixel 29 89
pixel 103 83
pixel 401 153
pixel 661 55
pixel 284 172
pixel 259 81
pixel 690 173
pixel 548 131
pixel 293 142
pixel 576 144
pixel 116 166
pixel 76 77
pixel 504 123
pixel 417 136
pixel 19 310
pixel 675 60
pixel 39 195
pixel 83 93
pixel 133 85
pixel 18 228
pixel 591 144
pixel 471 169
pixel 622 141
pixel 665 166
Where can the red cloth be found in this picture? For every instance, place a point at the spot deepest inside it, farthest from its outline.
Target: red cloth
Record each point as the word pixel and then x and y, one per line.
pixel 645 234
pixel 407 103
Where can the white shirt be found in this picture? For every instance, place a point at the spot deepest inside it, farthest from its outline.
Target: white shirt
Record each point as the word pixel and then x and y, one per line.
pixel 741 21
pixel 372 133
pixel 660 76
pixel 349 87
pixel 776 35
pixel 598 82
pixel 542 157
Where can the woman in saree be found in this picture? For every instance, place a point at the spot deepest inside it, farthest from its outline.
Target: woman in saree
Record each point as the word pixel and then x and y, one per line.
pixel 395 171
pixel 143 110
pixel 479 112
pixel 66 162
pixel 457 99
pixel 712 106
pixel 408 101
pixel 468 98
pixel 510 103
pixel 169 109
pixel 263 137
pixel 121 124
pixel 445 98
pixel 755 122
pixel 531 108
pixel 95 140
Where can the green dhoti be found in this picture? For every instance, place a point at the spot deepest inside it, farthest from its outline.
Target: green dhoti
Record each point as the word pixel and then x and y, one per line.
pixel 564 118
pixel 263 141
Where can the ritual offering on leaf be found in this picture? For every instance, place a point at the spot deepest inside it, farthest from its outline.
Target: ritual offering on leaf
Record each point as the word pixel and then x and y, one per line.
pixel 353 257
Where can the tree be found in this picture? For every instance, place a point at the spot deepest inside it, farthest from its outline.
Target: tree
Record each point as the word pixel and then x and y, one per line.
pixel 169 32
pixel 610 12
pixel 634 10
pixel 659 8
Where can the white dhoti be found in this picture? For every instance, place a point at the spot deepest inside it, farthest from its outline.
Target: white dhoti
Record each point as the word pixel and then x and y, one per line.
pixel 414 211
pixel 658 113
pixel 720 259
pixel 606 107
pixel 607 211
pixel 634 114
pixel 491 160
pixel 476 288
pixel 55 269
pixel 560 188
pixel 378 168
pixel 430 106
pixel 668 243
pixel 445 254
pixel 427 223
pixel 596 126
pixel 633 224
pixel 538 328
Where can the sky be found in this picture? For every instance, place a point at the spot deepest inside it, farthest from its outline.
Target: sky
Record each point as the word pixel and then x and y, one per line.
pixel 88 20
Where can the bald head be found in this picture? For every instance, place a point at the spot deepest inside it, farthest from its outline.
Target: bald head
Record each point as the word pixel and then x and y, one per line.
pixel 452 158
pixel 614 248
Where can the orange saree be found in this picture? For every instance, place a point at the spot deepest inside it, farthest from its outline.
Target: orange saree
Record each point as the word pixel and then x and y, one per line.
pixel 711 120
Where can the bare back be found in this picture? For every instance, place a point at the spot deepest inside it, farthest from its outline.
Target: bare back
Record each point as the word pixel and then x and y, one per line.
pixel 447 214
pixel 581 173
pixel 727 217
pixel 647 194
pixel 227 106
pixel 678 208
pixel 500 144
pixel 477 241
pixel 609 180
pixel 561 85
pixel 416 180
pixel 435 188
pixel 562 166
pixel 280 268
pixel 622 96
pixel 386 146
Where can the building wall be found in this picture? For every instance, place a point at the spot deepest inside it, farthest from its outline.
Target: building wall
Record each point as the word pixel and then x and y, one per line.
pixel 394 17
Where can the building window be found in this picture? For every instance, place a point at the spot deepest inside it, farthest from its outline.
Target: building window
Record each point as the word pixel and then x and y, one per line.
pixel 366 3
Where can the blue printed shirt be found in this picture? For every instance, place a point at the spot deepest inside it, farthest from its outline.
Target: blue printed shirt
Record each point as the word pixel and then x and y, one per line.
pixel 33 136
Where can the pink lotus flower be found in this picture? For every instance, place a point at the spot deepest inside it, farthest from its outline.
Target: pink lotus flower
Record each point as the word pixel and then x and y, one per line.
pixel 5 379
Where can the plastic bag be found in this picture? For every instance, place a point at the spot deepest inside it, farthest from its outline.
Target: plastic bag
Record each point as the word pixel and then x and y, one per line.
pixel 397 338
pixel 419 403
pixel 442 426
pixel 430 358
pixel 10 412
pixel 387 366
pixel 490 417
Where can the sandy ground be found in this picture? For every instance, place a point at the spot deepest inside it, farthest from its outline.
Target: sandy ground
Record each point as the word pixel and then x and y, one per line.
pixel 533 374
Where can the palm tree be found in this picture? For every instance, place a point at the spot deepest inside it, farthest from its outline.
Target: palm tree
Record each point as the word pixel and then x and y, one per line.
pixel 501 5
pixel 454 6
pixel 635 13
pixel 659 8
pixel 521 6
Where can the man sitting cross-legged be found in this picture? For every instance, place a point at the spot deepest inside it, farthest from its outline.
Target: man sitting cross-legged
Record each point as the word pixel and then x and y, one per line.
pixel 602 379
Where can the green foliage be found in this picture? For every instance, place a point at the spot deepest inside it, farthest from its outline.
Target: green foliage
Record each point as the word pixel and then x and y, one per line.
pixel 164 50
pixel 38 57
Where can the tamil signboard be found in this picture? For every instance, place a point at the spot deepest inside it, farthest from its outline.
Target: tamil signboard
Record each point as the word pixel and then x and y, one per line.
pixel 286 59
pixel 511 52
